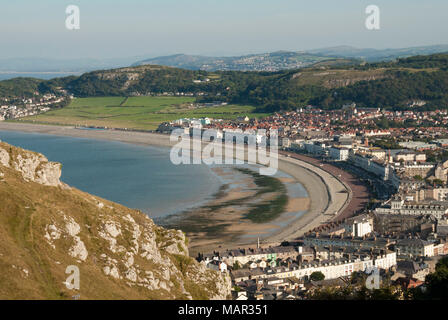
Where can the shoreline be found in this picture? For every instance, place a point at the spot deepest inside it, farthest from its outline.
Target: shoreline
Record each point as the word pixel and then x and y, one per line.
pixel 323 189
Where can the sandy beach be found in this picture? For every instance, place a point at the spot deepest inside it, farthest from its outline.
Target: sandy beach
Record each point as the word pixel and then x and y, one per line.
pixel 327 195
pixel 225 220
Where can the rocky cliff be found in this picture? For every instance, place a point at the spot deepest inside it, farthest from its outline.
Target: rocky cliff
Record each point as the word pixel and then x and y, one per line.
pixel 47 228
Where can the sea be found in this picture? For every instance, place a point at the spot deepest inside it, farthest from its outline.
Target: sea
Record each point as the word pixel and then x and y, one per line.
pixel 139 177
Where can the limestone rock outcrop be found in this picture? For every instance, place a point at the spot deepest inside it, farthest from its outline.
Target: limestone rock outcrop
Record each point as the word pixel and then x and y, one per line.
pixel 33 166
pixel 120 252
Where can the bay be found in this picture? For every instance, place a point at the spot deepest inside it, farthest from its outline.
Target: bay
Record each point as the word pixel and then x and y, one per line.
pixel 138 177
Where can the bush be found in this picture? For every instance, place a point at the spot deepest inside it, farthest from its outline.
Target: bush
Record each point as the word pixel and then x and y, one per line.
pixel 317 276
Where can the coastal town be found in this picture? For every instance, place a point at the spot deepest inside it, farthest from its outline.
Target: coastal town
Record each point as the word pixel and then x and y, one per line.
pixel 225 159
pixel 401 158
pixel 396 221
pixel 18 107
pixel 394 225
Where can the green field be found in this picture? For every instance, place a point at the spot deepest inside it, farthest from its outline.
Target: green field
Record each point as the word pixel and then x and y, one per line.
pixel 143 113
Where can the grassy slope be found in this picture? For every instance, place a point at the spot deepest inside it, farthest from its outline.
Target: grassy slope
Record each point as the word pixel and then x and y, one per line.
pixel 26 208
pixel 136 112
pixel 334 78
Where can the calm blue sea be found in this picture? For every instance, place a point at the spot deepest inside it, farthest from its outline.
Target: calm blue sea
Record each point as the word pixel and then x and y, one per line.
pixel 135 176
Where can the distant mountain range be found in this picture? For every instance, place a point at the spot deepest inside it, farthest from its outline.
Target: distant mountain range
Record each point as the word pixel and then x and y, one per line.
pixel 275 61
pixel 284 60
pixel 389 84
pixel 376 55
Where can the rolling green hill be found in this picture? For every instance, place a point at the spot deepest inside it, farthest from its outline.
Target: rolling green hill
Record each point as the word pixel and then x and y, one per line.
pixel 19 87
pixel 389 85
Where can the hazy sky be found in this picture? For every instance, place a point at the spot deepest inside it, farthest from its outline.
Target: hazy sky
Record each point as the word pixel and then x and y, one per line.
pixel 115 28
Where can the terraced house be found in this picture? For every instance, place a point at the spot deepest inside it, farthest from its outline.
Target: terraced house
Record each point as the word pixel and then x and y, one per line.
pixel 397 206
pixel 244 256
pixel 410 248
pixel 331 269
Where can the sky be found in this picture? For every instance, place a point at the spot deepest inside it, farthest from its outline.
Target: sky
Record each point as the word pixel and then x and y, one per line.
pixel 148 28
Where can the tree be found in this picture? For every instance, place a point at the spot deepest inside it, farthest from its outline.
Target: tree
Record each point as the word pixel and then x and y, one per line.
pixel 358 278
pixel 353 293
pixel 236 265
pixel 437 282
pixel 317 276
pixel 383 123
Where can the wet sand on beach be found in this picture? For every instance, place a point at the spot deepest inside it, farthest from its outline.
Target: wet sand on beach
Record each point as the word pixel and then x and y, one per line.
pixel 324 191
